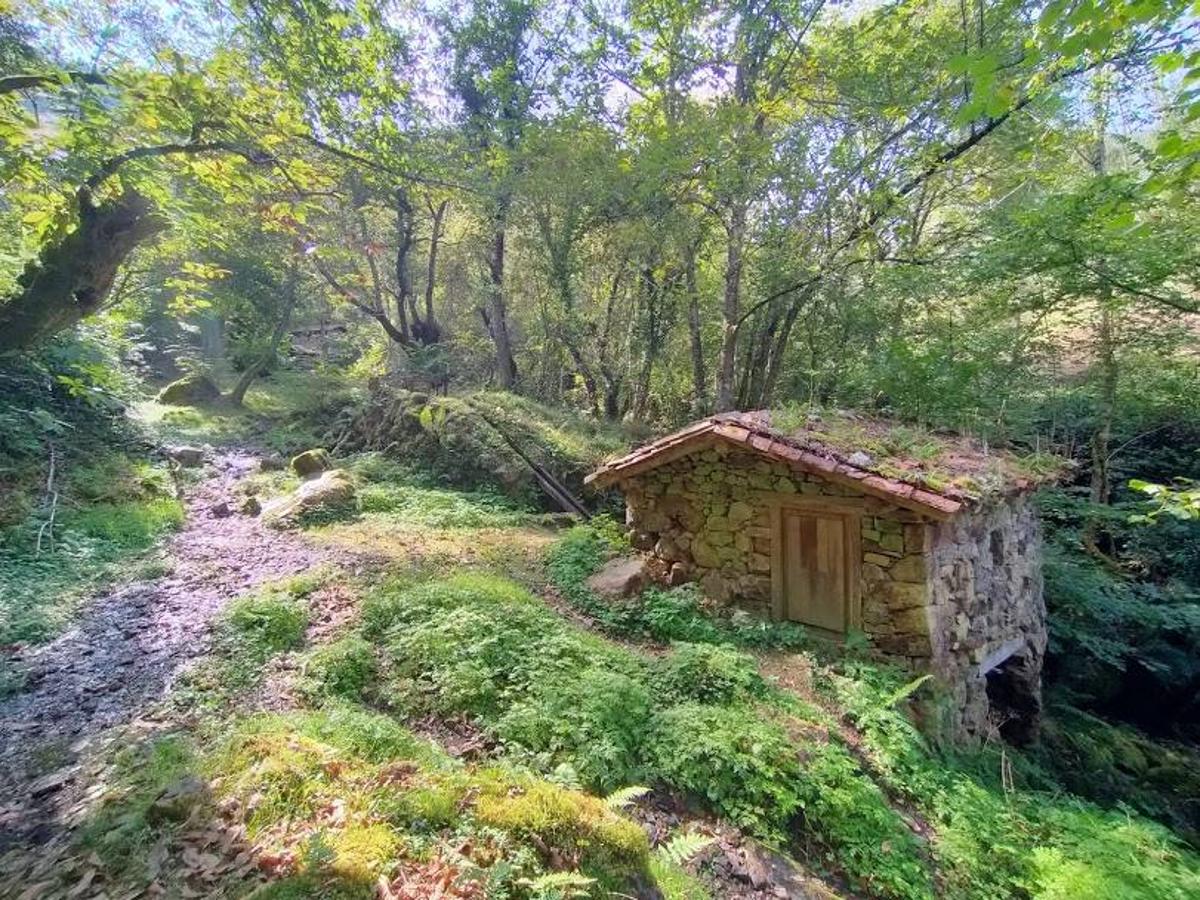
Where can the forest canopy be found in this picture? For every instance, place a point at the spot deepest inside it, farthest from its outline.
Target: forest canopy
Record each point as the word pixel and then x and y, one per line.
pixel 655 208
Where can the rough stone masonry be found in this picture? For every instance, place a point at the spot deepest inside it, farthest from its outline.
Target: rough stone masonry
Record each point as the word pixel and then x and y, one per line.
pixel 960 598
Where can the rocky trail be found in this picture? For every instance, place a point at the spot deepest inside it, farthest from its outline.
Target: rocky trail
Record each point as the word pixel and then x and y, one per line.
pixel 129 645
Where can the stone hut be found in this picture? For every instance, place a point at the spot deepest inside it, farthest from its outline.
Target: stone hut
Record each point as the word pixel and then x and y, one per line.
pixel 927 544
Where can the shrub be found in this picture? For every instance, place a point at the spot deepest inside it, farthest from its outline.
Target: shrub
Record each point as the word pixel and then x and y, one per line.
pixel 402 601
pixel 597 723
pixel 344 668
pixel 478 644
pixel 745 767
pixel 270 620
pixel 1084 851
pixel 567 702
pixel 708 673
pixel 852 816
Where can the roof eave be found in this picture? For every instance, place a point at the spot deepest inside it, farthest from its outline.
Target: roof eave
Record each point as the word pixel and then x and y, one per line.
pixel 683 443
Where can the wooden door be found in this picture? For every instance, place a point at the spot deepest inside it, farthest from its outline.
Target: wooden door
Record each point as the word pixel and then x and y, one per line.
pixel 815 577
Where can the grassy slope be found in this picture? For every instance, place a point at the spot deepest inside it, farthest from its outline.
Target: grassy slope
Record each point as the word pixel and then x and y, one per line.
pixel 114 502
pixel 984 837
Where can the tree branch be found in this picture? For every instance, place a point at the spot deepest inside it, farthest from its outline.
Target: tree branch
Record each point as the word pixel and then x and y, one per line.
pixel 12 83
pixel 354 300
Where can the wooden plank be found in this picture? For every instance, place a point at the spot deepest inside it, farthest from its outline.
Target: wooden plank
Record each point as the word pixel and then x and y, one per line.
pixel 816 574
pixel 1001 654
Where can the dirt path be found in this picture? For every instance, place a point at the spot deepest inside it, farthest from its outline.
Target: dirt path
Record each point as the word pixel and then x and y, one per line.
pixel 130 644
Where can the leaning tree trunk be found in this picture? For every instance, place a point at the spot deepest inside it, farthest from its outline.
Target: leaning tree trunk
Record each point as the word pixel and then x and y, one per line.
pixel 72 277
pixel 238 395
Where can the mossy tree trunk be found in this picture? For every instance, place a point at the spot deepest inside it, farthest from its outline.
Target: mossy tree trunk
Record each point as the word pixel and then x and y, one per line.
pixel 73 275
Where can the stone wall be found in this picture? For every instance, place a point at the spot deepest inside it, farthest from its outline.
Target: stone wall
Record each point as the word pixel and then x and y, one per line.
pixel 941 597
pixel 987 610
pixel 707 518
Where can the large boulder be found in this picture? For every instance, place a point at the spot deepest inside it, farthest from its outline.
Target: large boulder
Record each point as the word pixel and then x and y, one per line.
pixel 187 457
pixel 324 499
pixel 190 390
pixel 311 462
pixel 620 577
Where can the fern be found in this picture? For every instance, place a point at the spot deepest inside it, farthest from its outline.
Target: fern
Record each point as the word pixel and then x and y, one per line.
pixel 904 692
pixel 564 775
pixel 682 848
pixel 626 796
pixel 554 885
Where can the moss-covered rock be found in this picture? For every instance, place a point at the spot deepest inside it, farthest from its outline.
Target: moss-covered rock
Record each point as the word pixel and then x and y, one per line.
pixel 311 462
pixel 324 499
pixel 603 843
pixel 485 441
pixel 190 390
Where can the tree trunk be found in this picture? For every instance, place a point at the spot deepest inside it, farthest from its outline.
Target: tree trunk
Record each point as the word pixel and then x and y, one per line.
pixel 72 276
pixel 1106 402
pixel 610 372
pixel 431 332
pixel 404 243
pixel 1106 358
pixel 779 350
pixel 699 376
pixel 496 315
pixel 238 395
pixel 651 340
pixel 731 307
pixel 754 366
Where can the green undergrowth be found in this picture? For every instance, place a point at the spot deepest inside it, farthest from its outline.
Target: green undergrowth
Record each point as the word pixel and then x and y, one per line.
pixel 339 797
pixel 998 819
pixel 107 515
pixel 252 629
pixel 393 491
pixel 660 614
pixel 581 709
pixel 1114 764
pixel 1003 825
pixel 568 437
pixel 390 493
pixel 284 412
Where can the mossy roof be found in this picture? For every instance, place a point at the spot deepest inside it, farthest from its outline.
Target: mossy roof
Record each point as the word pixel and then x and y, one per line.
pixel 934 473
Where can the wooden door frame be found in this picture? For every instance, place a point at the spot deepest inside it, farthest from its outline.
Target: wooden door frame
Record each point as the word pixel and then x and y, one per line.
pixel 851 514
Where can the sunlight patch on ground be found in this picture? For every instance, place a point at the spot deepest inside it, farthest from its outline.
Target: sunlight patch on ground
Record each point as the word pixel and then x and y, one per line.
pixel 516 549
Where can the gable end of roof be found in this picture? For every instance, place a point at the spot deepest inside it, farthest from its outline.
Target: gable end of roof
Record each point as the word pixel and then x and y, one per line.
pixel 738 432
